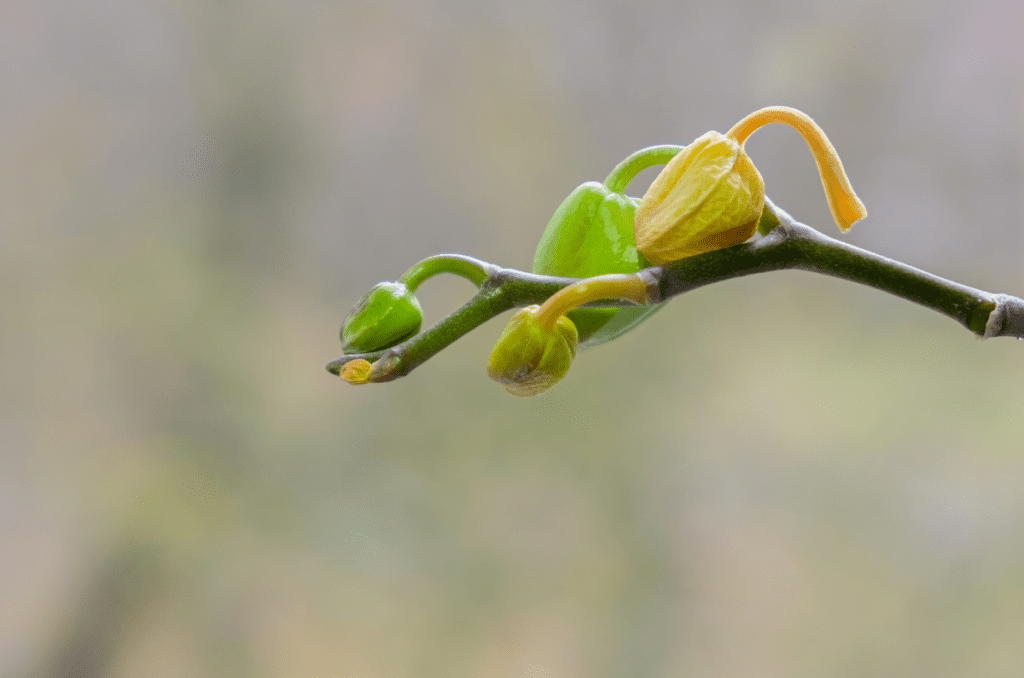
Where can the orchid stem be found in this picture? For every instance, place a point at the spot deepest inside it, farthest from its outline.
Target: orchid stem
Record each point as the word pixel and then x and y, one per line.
pixel 629 286
pixel 789 245
pixel 623 173
pixel 458 264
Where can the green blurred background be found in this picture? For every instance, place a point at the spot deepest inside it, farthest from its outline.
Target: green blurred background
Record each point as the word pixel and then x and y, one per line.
pixel 783 475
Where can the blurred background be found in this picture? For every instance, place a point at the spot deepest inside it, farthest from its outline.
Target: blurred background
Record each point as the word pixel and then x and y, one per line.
pixel 783 475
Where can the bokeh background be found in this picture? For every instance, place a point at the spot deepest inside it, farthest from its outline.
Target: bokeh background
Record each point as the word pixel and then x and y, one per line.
pixel 783 475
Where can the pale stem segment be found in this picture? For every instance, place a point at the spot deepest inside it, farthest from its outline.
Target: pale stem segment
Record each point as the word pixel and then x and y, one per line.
pixel 629 286
pixel 457 264
pixel 847 209
pixel 623 173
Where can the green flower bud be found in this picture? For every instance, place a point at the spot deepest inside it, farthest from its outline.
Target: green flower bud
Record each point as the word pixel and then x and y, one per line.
pixel 530 358
pixel 591 233
pixel 388 315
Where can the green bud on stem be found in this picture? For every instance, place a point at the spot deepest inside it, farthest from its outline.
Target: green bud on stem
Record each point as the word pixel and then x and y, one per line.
pixel 388 315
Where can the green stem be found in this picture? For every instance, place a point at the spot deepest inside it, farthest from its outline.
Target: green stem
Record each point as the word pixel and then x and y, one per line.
pixel 458 264
pixel 505 289
pixel 798 246
pixel 790 245
pixel 626 170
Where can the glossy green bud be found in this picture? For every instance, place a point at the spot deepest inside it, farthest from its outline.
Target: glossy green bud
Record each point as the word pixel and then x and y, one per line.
pixel 388 315
pixel 591 233
pixel 528 358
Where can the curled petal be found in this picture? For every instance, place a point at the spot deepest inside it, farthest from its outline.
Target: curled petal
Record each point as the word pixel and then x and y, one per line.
pixel 846 207
pixel 711 196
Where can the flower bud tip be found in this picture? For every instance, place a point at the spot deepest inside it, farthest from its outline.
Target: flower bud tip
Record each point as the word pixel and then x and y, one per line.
pixel 356 371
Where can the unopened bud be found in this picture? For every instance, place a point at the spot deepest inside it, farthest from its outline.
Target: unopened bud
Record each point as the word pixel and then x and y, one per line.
pixel 529 359
pixel 388 315
pixel 708 197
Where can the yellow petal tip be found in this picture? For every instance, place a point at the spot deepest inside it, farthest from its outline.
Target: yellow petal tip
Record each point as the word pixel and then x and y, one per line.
pixel 848 212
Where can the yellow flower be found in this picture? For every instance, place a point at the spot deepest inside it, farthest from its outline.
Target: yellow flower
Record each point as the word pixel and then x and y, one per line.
pixel 539 343
pixel 711 196
pixel 708 197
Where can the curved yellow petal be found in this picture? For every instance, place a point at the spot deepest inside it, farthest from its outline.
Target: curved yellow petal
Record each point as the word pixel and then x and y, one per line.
pixel 846 207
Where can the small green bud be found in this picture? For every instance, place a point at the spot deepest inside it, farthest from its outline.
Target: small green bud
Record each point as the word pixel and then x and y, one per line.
pixel 388 315
pixel 591 233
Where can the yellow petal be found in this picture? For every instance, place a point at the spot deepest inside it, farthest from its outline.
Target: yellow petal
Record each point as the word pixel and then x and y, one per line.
pixel 846 207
